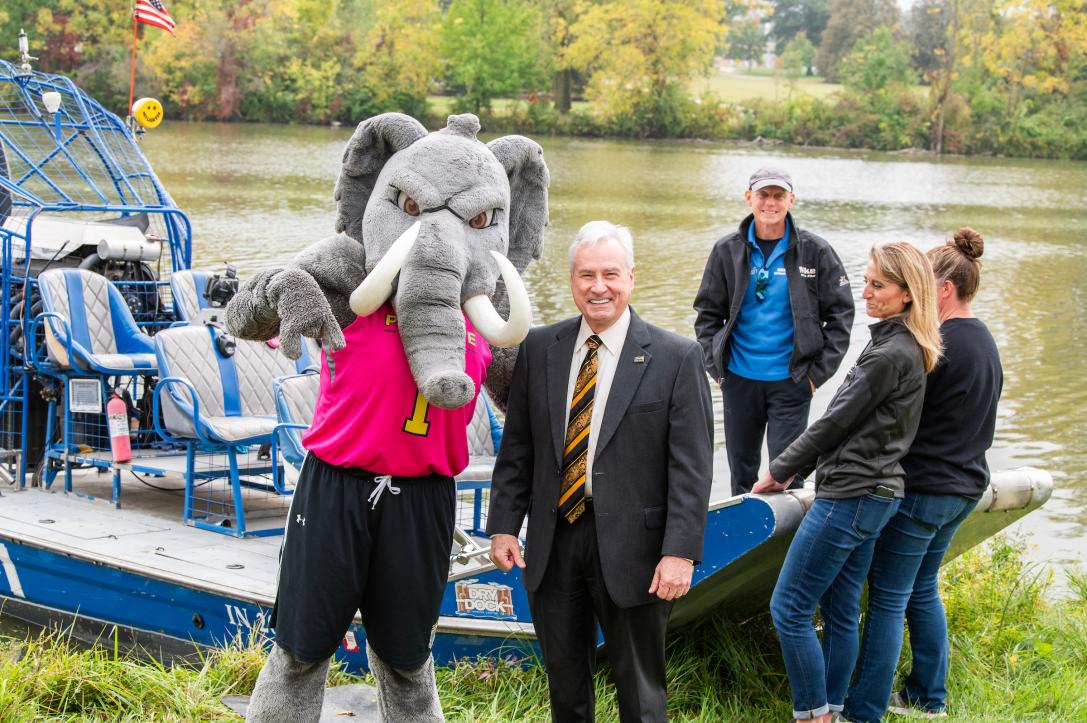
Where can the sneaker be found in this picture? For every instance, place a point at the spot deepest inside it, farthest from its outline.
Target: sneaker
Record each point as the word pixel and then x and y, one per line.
pixel 900 706
pixel 837 717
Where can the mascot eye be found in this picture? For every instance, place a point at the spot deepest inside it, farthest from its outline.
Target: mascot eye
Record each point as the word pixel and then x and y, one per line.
pixel 407 204
pixel 483 220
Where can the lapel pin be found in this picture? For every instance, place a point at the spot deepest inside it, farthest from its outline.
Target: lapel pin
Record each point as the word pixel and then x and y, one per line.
pixel 639 360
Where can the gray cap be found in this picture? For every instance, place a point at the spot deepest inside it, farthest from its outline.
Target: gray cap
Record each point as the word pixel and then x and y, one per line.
pixel 770 176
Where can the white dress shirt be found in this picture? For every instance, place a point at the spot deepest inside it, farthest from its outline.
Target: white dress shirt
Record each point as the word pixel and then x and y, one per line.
pixel 607 355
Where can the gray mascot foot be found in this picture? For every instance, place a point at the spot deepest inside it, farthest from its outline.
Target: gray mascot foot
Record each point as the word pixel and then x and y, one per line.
pixel 405 695
pixel 288 690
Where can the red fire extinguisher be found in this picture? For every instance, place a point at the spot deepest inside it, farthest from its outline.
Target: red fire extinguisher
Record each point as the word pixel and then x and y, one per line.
pixel 117 414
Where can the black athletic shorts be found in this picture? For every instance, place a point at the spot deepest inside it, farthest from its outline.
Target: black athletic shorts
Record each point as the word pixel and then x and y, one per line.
pixel 342 553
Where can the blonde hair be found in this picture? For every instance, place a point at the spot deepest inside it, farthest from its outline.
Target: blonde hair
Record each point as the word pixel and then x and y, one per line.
pixel 906 266
pixel 957 261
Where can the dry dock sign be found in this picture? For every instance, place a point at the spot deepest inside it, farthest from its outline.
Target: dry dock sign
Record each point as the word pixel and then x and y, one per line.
pixel 484 599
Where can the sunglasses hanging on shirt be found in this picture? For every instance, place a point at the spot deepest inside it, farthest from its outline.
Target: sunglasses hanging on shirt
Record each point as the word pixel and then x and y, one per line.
pixel 761 281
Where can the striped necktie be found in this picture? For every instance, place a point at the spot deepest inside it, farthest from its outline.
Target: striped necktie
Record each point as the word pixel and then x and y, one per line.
pixel 572 488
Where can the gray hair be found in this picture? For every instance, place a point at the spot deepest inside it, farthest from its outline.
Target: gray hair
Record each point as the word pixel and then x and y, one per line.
pixel 597 231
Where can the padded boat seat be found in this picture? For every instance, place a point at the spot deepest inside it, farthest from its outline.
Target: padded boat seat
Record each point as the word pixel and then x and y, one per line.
pixel 296 398
pixel 484 436
pixel 187 288
pixel 104 336
pixel 190 305
pixel 237 429
pixel 234 394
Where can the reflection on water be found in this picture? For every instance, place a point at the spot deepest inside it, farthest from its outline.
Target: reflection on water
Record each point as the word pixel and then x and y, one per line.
pixel 257 194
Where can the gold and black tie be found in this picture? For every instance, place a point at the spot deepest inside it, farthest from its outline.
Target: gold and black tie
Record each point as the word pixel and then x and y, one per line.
pixel 572 488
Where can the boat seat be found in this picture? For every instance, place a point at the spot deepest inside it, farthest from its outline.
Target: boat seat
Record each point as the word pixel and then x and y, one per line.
pixel 218 404
pixel 235 404
pixel 187 288
pixel 190 305
pixel 296 398
pixel 89 320
pixel 484 437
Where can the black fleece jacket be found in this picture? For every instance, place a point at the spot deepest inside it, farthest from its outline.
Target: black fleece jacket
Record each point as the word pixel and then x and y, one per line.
pixel 819 294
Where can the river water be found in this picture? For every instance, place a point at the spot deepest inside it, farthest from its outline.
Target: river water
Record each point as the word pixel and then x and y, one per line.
pixel 256 194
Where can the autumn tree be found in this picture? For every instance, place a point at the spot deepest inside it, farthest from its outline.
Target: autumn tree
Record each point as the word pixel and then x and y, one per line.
pixel 652 50
pixel 232 60
pixel 791 18
pixel 798 55
pixel 559 17
pixel 401 56
pixel 746 41
pixel 1024 64
pixel 88 40
pixel 877 63
pixel 927 27
pixel 850 20
pixel 492 49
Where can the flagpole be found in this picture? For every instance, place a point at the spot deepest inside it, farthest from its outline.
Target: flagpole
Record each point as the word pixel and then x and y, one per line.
pixel 132 78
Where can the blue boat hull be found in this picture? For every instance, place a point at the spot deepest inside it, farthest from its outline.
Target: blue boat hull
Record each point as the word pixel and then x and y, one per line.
pixel 484 612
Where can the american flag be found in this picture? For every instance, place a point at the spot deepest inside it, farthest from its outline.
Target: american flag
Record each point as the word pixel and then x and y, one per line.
pixel 153 12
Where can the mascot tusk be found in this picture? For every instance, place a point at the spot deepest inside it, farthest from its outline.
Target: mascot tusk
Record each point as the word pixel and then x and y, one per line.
pixel 377 287
pixel 492 327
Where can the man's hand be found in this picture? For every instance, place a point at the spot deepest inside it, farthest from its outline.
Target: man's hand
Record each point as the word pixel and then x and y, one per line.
pixel 810 381
pixel 672 578
pixel 506 552
pixel 768 484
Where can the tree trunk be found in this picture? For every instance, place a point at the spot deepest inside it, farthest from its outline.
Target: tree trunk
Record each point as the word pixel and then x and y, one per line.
pixel 562 90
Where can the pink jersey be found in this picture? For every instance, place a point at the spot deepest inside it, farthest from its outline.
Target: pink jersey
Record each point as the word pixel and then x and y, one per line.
pixel 370 414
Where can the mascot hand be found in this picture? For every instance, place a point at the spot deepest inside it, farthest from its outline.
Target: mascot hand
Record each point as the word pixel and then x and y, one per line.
pixel 303 311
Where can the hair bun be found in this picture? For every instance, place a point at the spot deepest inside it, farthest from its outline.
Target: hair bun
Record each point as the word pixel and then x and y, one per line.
pixel 969 242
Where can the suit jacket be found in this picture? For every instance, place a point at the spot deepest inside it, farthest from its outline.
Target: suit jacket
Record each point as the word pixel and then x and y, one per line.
pixel 654 455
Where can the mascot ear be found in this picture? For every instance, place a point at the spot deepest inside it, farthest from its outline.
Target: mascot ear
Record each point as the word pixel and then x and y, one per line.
pixel 524 163
pixel 372 144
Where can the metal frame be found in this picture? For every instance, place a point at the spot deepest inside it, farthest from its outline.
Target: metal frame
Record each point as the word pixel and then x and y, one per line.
pixel 233 470
pixel 82 162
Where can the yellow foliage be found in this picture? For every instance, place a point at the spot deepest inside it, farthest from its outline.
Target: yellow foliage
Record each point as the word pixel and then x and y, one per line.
pixel 630 49
pixel 1038 44
pixel 400 54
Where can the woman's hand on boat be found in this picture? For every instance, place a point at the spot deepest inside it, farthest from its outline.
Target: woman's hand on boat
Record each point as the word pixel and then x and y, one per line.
pixel 506 552
pixel 672 578
pixel 768 484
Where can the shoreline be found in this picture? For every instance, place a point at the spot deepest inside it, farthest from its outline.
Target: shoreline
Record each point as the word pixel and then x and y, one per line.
pixel 1013 650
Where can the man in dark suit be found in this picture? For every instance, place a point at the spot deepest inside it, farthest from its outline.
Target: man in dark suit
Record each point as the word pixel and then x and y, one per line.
pixel 608 448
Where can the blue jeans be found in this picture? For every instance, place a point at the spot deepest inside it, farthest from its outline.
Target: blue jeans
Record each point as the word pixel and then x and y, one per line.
pixel 902 582
pixel 826 565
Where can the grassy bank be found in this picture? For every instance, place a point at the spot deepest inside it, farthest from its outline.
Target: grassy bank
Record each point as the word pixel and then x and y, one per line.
pixel 1016 655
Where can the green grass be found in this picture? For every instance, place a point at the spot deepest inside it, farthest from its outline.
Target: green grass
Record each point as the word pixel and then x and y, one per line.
pixel 442 105
pixel 734 87
pixel 742 86
pixel 1017 654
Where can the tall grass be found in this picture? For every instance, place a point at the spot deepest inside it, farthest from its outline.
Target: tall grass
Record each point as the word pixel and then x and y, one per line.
pixel 1018 652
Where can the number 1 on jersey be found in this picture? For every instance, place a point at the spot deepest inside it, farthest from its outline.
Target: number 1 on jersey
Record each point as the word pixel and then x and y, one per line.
pixel 417 423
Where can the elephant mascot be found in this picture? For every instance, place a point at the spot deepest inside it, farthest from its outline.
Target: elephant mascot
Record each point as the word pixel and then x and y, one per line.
pixel 433 232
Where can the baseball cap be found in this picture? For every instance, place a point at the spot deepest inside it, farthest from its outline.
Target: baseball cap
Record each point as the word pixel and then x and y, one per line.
pixel 770 176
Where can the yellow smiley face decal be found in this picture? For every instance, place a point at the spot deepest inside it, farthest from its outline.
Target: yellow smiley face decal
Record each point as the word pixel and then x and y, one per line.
pixel 147 112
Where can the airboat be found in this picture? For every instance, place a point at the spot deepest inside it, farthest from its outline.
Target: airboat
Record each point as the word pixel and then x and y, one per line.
pixel 147 459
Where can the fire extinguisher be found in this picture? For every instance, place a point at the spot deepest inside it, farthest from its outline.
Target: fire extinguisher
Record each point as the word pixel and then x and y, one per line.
pixel 117 414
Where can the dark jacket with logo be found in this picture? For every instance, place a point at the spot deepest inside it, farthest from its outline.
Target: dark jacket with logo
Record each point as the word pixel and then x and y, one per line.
pixel 871 421
pixel 819 293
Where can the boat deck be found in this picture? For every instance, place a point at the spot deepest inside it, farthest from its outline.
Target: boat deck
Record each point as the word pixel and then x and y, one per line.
pixel 147 535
